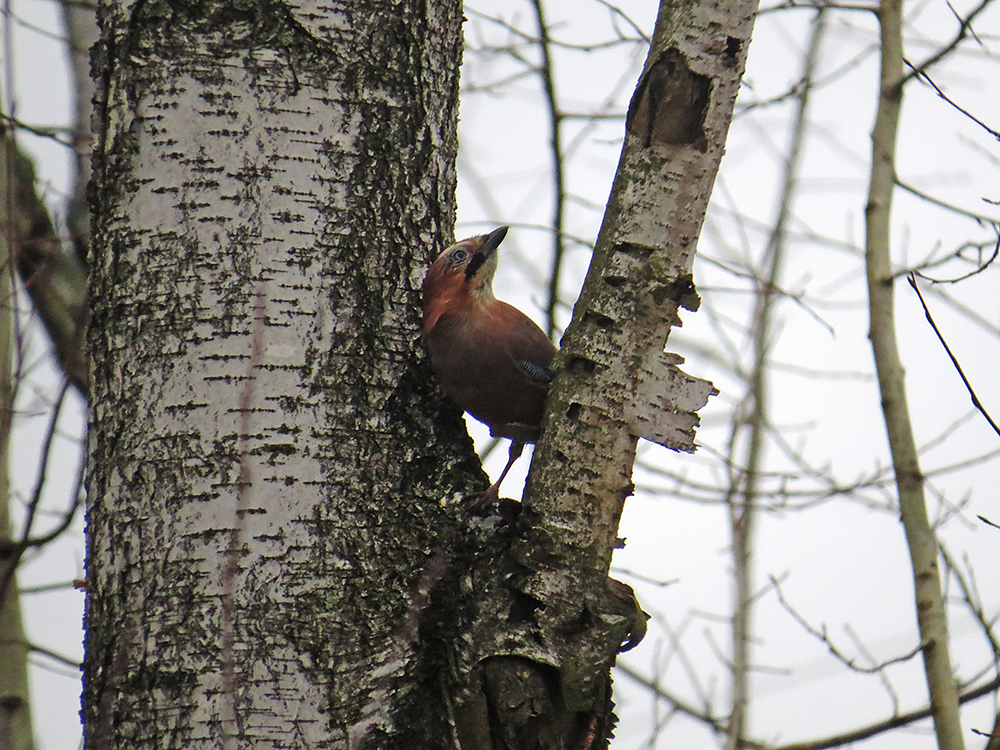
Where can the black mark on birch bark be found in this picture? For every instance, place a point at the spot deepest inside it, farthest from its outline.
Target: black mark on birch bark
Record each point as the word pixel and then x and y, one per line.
pixel 598 319
pixel 581 364
pixel 615 281
pixel 640 252
pixel 670 104
pixel 733 48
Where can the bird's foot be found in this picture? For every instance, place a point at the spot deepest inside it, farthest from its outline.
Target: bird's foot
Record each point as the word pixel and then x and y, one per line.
pixel 490 503
pixel 488 499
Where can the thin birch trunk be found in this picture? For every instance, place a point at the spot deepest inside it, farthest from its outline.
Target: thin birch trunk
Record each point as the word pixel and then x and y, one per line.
pixel 15 700
pixel 930 606
pixel 614 383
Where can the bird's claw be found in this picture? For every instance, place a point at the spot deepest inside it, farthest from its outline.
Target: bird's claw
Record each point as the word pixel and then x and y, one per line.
pixel 488 498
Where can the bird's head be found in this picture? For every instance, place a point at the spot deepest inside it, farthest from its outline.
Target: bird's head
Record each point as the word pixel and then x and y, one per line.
pixel 465 268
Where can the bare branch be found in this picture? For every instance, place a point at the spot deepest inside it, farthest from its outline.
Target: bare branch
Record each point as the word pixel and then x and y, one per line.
pixel 954 360
pixel 12 556
pixel 884 726
pixel 922 76
pixel 964 29
pixel 821 635
pixel 981 218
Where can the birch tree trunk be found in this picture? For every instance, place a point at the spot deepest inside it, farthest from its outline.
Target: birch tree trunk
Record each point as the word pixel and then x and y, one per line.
pixel 15 706
pixel 614 383
pixel 273 521
pixel 930 605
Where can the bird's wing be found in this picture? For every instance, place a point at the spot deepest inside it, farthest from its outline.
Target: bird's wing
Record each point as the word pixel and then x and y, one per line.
pixel 527 344
pixel 536 371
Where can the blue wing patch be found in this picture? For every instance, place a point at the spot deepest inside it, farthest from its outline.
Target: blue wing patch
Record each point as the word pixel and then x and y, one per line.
pixel 535 371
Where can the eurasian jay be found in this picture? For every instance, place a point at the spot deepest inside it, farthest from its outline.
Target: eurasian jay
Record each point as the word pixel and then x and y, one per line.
pixel 491 359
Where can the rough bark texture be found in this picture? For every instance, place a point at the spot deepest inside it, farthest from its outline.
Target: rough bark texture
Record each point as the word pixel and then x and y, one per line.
pixel 614 383
pixel 272 561
pixel 932 618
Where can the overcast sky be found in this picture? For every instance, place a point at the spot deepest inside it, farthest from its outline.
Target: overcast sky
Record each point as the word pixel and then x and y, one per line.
pixel 842 562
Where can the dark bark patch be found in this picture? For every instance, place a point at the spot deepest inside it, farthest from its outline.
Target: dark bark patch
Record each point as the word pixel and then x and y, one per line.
pixel 733 48
pixel 523 609
pixel 598 319
pixel 616 282
pixel 641 252
pixel 670 104
pixel 525 704
pixel 685 294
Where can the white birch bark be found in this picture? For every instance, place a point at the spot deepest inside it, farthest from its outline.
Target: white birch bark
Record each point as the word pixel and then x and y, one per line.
pixel 261 488
pixel 614 383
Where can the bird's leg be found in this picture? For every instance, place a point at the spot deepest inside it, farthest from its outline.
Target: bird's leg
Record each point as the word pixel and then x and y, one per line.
pixel 492 495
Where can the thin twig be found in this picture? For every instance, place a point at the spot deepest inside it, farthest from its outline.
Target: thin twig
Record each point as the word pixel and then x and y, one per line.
pixel 69 515
pixel 964 28
pixel 616 11
pixel 817 5
pixel 981 265
pixel 547 74
pixel 716 723
pixel 972 600
pixel 922 76
pixel 16 552
pixel 981 218
pixel 45 588
pixel 770 287
pixel 57 134
pixel 57 657
pixel 822 636
pixel 927 314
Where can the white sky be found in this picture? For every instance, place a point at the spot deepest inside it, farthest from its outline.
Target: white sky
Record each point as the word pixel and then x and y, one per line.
pixel 844 564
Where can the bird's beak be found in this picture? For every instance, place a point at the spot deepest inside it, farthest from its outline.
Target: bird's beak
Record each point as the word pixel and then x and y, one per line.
pixel 492 241
pixel 485 257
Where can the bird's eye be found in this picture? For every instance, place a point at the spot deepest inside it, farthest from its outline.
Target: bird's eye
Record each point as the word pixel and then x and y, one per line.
pixel 458 256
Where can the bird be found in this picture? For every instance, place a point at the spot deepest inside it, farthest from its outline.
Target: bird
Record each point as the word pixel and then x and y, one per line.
pixel 491 359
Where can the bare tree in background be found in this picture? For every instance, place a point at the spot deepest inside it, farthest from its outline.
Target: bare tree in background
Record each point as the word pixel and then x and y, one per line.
pixel 15 707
